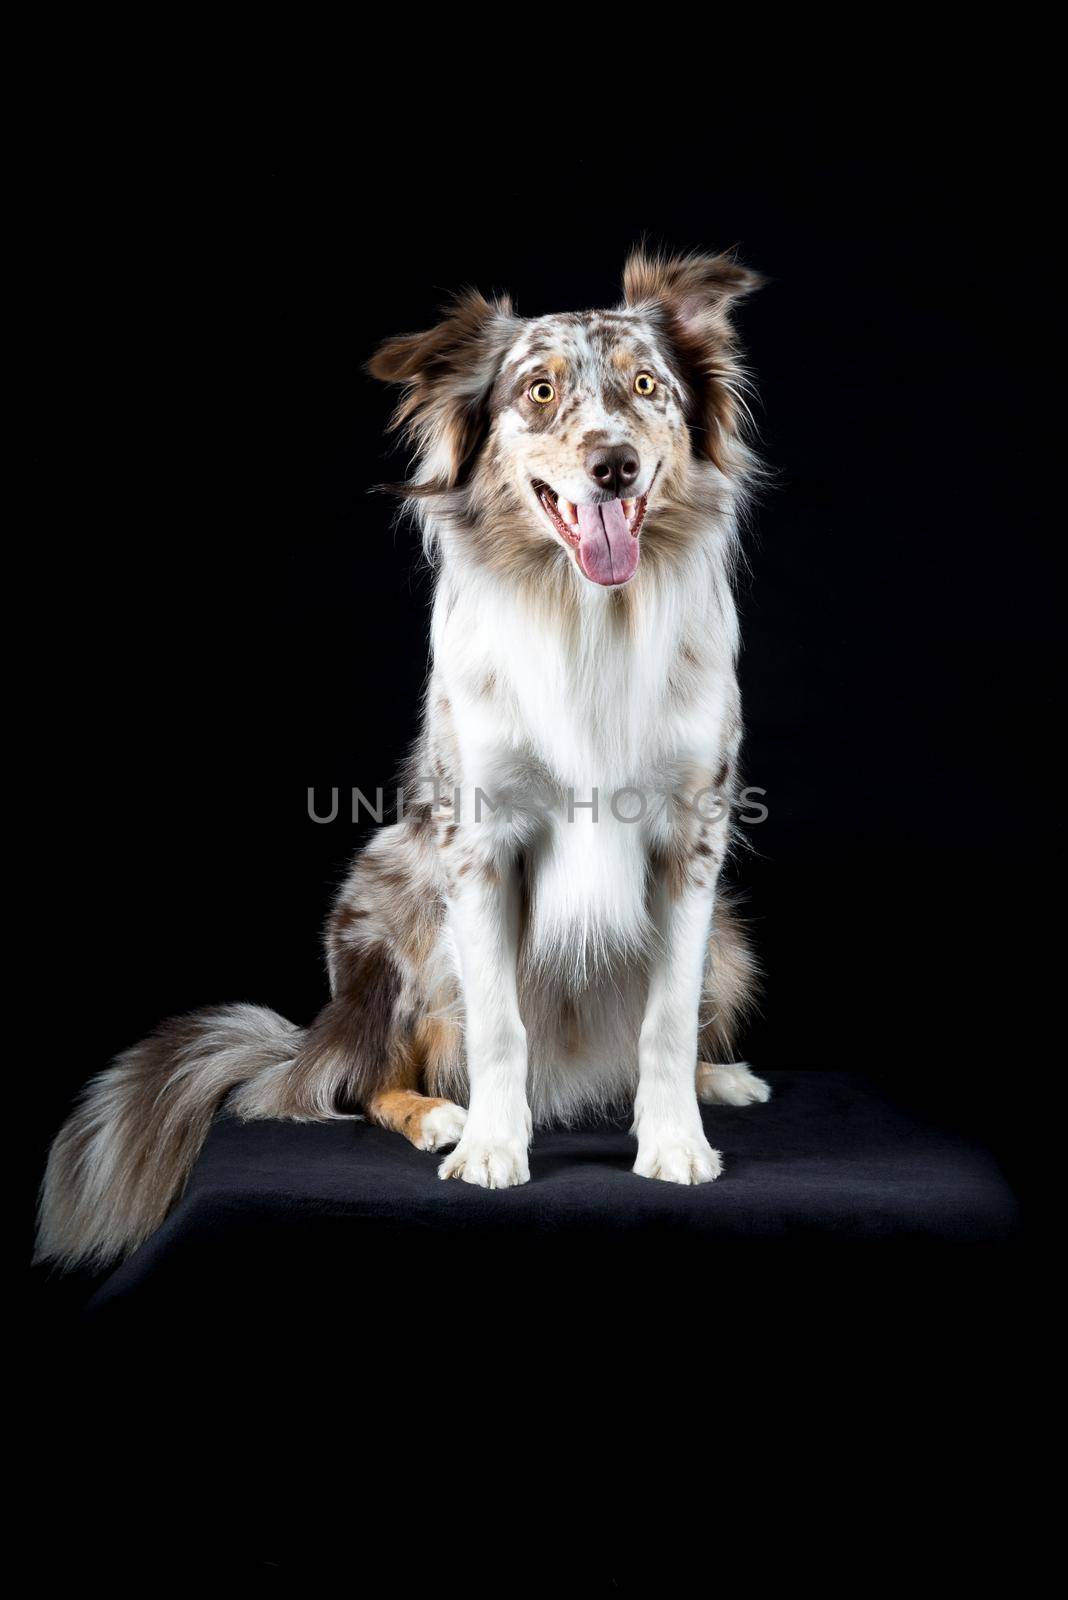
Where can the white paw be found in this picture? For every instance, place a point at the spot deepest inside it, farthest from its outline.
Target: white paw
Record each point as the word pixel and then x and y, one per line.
pixel 491 1163
pixel 678 1158
pixel 732 1085
pixel 441 1127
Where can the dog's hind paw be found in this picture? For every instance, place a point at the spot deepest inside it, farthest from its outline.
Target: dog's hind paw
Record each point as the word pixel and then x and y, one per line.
pixel 730 1085
pixel 442 1126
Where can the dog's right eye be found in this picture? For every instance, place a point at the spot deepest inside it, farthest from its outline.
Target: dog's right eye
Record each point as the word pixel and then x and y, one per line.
pixel 541 392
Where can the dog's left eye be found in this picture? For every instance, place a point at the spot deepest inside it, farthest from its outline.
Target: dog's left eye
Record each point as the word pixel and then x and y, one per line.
pixel 644 383
pixel 542 393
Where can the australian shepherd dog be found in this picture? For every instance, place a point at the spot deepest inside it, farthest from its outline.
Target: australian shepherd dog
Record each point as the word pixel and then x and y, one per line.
pixel 539 936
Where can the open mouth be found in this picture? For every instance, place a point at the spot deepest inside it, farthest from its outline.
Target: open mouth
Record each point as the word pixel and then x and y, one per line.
pixel 603 533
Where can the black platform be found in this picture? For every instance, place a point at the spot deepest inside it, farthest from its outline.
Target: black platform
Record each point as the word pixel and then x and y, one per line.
pixel 325 1334
pixel 277 1210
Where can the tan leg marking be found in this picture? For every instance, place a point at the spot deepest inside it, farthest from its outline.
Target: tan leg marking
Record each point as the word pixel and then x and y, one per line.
pixel 429 1123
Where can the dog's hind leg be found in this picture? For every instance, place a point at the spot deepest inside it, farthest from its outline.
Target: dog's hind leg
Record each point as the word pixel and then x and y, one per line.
pixel 363 1050
pixel 729 981
pixel 379 1042
pixel 428 1121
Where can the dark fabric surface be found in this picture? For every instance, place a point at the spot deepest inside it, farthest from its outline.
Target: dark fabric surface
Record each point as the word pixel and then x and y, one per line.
pixel 830 1159
pixel 323 1328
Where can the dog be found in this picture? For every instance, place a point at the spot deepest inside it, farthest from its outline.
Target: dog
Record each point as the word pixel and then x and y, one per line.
pixel 540 935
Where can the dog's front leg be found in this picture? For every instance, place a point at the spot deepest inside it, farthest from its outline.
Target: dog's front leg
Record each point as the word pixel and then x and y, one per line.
pixel 667 1118
pixel 484 916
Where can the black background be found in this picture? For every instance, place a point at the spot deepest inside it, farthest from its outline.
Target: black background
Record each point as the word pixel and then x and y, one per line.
pixel 238 616
pixel 228 614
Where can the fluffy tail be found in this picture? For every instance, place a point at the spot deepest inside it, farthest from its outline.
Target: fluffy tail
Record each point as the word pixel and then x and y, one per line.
pixel 123 1158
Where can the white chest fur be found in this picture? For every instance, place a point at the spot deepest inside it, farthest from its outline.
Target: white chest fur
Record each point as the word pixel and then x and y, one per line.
pixel 579 726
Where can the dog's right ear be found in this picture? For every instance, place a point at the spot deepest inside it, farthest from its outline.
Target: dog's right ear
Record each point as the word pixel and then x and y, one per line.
pixel 448 373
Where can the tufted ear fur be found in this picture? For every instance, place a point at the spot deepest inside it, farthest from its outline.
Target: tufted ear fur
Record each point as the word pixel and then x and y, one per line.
pixel 691 297
pixel 447 374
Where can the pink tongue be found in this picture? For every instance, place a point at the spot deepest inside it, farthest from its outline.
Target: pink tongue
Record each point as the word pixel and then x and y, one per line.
pixel 607 550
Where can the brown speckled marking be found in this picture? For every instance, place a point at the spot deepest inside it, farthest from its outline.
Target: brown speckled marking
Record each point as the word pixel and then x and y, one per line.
pixel 668 862
pixel 614 400
pixel 539 419
pixel 422 820
pixel 570 1035
pixel 345 916
pixel 687 857
pixel 424 927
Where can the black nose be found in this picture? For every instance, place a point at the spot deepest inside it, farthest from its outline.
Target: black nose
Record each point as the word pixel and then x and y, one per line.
pixel 614 467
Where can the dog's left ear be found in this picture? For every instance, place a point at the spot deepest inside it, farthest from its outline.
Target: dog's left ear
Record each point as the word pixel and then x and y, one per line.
pixel 691 299
pixel 448 373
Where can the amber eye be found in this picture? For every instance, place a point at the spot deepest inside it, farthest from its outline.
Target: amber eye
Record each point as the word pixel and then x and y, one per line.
pixel 644 383
pixel 542 393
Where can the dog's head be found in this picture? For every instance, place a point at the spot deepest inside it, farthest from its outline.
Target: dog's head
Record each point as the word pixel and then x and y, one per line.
pixel 561 437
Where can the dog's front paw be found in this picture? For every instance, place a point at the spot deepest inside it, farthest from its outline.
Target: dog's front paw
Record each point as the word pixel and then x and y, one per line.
pixel 678 1158
pixel 491 1163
